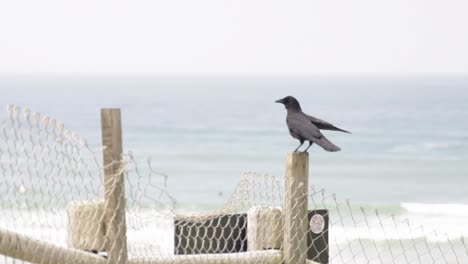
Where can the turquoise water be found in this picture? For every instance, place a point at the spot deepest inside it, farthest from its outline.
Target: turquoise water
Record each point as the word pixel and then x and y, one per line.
pixel 409 141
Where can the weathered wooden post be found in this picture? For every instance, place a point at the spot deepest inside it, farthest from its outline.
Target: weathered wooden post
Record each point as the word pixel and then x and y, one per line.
pixel 116 231
pixel 295 210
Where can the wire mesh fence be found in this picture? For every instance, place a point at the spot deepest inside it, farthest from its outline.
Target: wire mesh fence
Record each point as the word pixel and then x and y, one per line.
pixel 55 208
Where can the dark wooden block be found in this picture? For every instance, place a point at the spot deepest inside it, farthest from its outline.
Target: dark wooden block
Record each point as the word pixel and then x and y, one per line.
pixel 211 235
pixel 317 242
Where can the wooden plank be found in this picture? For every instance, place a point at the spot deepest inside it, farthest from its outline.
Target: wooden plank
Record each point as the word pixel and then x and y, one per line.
pixel 295 211
pixel 253 257
pixel 114 186
pixel 25 248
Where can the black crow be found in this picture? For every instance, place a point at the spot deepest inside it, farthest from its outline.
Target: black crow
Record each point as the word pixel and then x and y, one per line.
pixel 305 127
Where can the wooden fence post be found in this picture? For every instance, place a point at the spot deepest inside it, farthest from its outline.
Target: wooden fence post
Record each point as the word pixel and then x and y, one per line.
pixel 295 211
pixel 116 231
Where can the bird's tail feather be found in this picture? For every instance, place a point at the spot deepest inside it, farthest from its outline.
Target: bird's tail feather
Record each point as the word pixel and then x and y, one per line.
pixel 342 130
pixel 327 145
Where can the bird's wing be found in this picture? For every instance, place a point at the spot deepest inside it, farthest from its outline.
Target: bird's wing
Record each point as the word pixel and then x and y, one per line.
pixel 302 127
pixel 321 124
pixel 305 129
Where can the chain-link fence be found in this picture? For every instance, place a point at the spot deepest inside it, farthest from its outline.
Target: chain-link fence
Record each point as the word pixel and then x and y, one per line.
pixel 61 204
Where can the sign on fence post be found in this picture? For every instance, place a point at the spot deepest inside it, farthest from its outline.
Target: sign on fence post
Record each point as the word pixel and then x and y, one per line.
pixel 116 232
pixel 295 211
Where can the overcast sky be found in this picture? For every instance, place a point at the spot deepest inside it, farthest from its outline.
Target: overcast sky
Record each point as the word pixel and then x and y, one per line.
pixel 235 36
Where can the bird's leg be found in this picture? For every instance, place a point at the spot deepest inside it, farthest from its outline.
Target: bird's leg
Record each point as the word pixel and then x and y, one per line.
pixel 302 142
pixel 310 144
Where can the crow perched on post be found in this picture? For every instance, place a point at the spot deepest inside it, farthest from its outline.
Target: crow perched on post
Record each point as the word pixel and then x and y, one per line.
pixel 305 127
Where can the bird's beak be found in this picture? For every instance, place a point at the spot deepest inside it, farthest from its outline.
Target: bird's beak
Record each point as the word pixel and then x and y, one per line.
pixel 279 101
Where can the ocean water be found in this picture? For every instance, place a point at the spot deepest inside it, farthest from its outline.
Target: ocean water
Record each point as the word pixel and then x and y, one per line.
pixel 407 154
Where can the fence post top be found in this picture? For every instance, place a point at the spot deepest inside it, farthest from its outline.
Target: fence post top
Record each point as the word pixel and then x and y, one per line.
pixel 298 154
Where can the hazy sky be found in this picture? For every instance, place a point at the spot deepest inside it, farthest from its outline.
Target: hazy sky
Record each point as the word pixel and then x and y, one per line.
pixel 235 36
